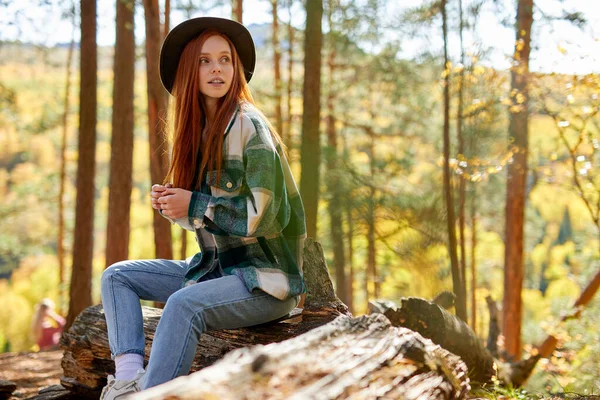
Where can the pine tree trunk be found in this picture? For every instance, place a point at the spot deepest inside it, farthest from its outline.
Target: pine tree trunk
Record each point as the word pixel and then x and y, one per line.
pixel 60 242
pixel 183 250
pixel 167 25
pixel 80 294
pixel 277 68
pixel 121 160
pixel 461 152
pixel 157 109
pixel 473 260
pixel 516 182
pixel 347 203
pixel 237 10
pixel 371 247
pixel 332 176
pixel 457 279
pixel 310 148
pixel 350 240
pixel 287 135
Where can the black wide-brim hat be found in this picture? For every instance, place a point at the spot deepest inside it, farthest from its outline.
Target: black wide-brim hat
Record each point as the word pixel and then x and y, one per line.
pixel 181 35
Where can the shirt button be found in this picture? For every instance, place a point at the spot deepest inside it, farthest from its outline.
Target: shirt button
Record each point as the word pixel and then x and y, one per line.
pixel 229 185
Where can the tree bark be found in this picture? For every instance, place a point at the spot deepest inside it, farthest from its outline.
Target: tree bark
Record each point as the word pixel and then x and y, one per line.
pixel 333 179
pixel 157 109
pixel 287 136
pixel 473 260
pixel 461 153
pixel 80 294
pixel 371 273
pixel 277 67
pixel 167 25
pixel 457 279
pixel 361 357
pixel 183 250
pixel 121 160
pixel 60 241
pixel 494 327
pixel 87 360
pixel 443 328
pixel 237 10
pixel 311 148
pixel 515 184
pixel 347 204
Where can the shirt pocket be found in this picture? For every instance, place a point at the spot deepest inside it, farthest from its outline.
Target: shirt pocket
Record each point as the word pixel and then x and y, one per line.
pixel 229 184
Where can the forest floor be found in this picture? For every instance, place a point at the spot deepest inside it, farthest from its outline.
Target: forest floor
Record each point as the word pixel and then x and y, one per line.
pixel 35 371
pixel 31 371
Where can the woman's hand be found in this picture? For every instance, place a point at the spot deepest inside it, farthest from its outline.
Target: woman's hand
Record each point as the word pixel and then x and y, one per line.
pixel 156 193
pixel 174 202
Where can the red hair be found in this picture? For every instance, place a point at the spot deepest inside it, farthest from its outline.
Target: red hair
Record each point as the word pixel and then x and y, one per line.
pixel 190 116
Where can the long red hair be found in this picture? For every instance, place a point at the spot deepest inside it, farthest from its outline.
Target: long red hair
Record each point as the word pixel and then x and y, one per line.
pixel 189 116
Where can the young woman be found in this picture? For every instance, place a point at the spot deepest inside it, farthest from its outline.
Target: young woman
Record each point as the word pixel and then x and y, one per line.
pixel 230 183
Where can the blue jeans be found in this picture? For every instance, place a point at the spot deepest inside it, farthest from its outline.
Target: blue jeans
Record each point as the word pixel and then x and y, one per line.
pixel 219 303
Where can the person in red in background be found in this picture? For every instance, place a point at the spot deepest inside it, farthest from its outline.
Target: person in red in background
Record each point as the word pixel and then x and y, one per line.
pixel 47 325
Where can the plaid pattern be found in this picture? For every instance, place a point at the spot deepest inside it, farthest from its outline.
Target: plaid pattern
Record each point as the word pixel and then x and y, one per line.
pixel 252 219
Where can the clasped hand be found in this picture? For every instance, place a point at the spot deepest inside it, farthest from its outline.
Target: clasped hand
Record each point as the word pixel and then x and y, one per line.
pixel 173 202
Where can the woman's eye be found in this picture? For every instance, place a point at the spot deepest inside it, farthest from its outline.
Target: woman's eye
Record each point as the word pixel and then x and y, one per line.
pixel 204 60
pixel 224 59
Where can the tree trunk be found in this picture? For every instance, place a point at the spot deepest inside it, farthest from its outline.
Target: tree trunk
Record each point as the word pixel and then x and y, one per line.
pixel 277 68
pixel 167 25
pixel 311 148
pixel 183 250
pixel 87 356
pixel 515 184
pixel 453 334
pixel 494 327
pixel 80 294
pixel 237 10
pixel 371 248
pixel 473 260
pixel 333 179
pixel 461 153
pixel 121 160
pixel 60 242
pixel 457 279
pixel 347 204
pixel 361 357
pixel 157 109
pixel 287 137
pixel 443 328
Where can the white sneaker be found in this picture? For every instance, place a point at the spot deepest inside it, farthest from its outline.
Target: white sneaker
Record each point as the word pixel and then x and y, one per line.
pixel 118 388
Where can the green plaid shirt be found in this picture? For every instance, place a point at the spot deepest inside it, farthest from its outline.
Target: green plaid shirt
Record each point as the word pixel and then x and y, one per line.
pixel 251 222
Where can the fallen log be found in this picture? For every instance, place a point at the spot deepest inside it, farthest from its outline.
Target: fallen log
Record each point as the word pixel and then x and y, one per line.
pixel 7 388
pixel 349 358
pixel 87 362
pixel 453 334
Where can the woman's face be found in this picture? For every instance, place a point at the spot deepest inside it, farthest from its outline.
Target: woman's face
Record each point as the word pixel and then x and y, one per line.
pixel 216 68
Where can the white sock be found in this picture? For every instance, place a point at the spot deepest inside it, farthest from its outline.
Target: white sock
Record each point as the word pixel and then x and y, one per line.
pixel 127 365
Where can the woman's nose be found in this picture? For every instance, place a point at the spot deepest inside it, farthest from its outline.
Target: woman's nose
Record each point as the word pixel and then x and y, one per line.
pixel 216 67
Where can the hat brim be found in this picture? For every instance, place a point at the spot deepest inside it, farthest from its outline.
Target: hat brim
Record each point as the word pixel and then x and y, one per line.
pixel 180 36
